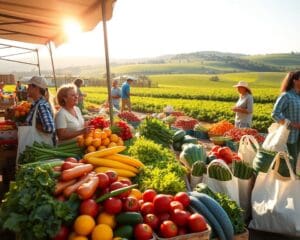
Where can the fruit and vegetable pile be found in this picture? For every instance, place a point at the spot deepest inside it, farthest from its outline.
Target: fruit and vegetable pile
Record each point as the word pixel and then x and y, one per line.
pixel 21 110
pixel 128 117
pixel 236 134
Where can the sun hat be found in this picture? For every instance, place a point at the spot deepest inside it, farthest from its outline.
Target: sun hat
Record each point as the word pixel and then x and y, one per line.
pixel 38 81
pixel 243 84
pixel 130 78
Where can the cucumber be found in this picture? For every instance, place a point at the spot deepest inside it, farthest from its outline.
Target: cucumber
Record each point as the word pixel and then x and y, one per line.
pixel 218 212
pixel 203 210
pixel 125 231
pixel 115 193
pixel 129 218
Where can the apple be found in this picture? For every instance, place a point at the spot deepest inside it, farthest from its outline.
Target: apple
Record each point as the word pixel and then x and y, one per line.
pixel 112 175
pixel 89 207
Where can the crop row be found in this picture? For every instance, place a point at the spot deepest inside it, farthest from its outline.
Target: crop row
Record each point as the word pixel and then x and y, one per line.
pixel 209 111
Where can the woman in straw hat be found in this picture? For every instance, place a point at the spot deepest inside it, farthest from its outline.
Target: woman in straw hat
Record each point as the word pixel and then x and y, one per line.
pixel 244 107
pixel 287 106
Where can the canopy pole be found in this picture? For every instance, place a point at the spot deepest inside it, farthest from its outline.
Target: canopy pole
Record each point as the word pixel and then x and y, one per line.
pixel 38 60
pixel 52 63
pixel 103 7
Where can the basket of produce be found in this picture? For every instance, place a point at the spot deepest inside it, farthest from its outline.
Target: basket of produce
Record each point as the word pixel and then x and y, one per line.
pixel 220 140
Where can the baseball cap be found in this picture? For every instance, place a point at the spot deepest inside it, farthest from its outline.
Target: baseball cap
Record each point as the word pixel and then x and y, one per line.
pixel 38 81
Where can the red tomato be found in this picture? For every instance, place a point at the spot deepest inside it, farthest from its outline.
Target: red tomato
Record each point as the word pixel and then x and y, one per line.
pixel 182 197
pixel 197 223
pixel 151 220
pixel 147 207
pixel 168 229
pixel 71 159
pixel 112 205
pixel 182 231
pixel 89 207
pixel 163 217
pixel 112 175
pixel 149 195
pixel 116 185
pixel 62 234
pixel 131 204
pixel 126 181
pixel 176 205
pixel 161 203
pixel 103 180
pixel 142 231
pixel 180 217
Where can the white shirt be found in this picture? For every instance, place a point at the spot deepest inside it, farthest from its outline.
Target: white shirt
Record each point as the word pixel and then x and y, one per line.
pixel 65 119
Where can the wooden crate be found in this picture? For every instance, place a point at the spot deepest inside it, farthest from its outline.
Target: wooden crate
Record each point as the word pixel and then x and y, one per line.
pixel 205 235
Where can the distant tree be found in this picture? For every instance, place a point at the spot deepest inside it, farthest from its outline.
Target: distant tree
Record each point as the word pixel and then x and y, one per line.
pixel 214 79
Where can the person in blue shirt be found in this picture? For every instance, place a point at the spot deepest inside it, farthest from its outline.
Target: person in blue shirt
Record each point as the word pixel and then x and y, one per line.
pixel 287 106
pixel 125 95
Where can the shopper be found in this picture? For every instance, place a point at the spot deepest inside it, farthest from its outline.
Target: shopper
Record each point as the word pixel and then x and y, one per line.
pixel 78 83
pixel 125 94
pixel 115 94
pixel 287 107
pixel 69 120
pixel 244 107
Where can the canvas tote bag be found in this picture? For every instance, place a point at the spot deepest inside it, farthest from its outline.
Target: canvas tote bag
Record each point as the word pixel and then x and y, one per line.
pixel 277 138
pixel 27 135
pixel 228 187
pixel 246 150
pixel 276 201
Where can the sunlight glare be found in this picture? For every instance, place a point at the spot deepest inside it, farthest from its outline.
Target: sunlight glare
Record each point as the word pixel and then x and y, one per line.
pixel 72 29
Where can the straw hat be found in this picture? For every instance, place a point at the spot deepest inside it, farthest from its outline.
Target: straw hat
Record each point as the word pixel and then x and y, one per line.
pixel 243 84
pixel 38 81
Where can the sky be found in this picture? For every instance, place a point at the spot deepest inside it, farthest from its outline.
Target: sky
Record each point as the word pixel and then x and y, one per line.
pixel 149 28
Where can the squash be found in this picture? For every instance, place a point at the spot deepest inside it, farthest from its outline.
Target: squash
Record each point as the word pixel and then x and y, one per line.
pixel 191 153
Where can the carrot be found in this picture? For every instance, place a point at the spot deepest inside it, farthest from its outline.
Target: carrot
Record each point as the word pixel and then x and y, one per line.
pixel 68 165
pixel 72 188
pixel 76 172
pixel 87 190
pixel 60 186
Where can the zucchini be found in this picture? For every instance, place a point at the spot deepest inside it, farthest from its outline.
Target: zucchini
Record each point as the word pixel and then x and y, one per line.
pixel 219 213
pixel 203 210
pixel 129 218
pixel 115 193
pixel 125 231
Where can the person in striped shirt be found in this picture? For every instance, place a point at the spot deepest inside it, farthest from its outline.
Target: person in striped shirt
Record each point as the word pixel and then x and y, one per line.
pixel 44 117
pixel 287 106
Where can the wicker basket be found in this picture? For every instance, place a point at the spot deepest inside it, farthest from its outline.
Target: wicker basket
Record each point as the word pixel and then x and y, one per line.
pixel 242 236
pixel 205 235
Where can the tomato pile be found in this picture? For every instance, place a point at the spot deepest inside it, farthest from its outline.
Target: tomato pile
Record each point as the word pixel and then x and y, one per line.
pixel 21 110
pixel 129 117
pixel 237 133
pixel 99 122
pixel 224 153
pixel 186 123
pixel 177 114
pixel 122 129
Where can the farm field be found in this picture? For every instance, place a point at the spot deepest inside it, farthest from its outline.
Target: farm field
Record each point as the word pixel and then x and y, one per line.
pixel 201 98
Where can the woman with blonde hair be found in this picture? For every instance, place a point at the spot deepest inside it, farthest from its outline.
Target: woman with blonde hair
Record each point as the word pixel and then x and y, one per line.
pixel 69 120
pixel 287 107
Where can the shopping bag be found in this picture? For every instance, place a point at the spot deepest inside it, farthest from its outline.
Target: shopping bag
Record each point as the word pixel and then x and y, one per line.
pixel 27 135
pixel 245 187
pixel 248 148
pixel 277 137
pixel 229 188
pixel 276 200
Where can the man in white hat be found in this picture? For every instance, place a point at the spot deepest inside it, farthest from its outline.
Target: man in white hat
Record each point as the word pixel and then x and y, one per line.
pixel 37 87
pixel 244 107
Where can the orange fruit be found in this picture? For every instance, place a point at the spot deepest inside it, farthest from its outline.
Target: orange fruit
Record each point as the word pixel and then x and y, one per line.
pixel 97 133
pixel 107 131
pixel 114 138
pixel 136 194
pixel 79 238
pixel 105 141
pixel 101 147
pixel 88 141
pixel 80 141
pixel 102 232
pixel 106 218
pixel 120 142
pixel 103 135
pixel 91 148
pixel 112 144
pixel 84 225
pixel 96 142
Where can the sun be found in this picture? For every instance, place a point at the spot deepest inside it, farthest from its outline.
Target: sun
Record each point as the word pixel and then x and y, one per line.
pixel 72 28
